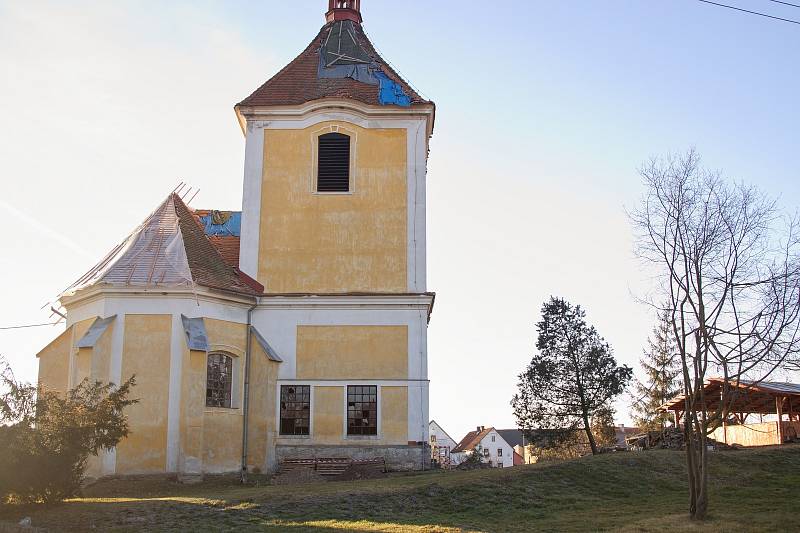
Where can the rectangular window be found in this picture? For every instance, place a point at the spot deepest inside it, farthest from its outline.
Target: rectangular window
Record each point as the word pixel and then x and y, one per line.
pixel 333 163
pixel 492 438
pixel 499 452
pixel 362 410
pixel 486 452
pixel 295 409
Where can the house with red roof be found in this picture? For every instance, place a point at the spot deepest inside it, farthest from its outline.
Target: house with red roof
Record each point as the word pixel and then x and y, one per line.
pixel 489 444
pixel 297 326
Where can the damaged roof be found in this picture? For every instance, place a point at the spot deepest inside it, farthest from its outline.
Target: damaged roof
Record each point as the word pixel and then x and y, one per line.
pixel 223 229
pixel 170 249
pixel 301 81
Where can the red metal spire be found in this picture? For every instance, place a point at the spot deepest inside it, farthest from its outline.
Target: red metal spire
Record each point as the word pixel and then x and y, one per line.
pixel 344 10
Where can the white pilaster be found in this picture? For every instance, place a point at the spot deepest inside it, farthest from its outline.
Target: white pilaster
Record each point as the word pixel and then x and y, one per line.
pixel 115 376
pixel 417 159
pixel 251 198
pixel 174 401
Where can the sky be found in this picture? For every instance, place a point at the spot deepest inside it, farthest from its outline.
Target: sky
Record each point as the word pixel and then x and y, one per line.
pixel 545 110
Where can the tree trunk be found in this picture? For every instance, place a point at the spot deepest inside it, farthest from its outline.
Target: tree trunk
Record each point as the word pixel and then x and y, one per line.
pixel 696 465
pixel 702 478
pixel 588 429
pixel 690 460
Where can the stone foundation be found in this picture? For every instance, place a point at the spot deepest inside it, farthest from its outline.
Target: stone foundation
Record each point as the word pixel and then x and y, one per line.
pixel 397 457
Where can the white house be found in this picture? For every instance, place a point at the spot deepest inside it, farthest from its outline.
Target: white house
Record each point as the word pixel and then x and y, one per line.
pixel 442 444
pixel 489 443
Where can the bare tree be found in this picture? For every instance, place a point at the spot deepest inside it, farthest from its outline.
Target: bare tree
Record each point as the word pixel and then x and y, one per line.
pixel 727 261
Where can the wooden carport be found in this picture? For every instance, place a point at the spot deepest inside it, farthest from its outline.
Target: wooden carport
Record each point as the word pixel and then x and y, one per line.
pixel 746 398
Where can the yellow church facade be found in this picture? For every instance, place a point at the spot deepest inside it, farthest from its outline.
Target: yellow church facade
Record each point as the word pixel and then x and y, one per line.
pixel 297 327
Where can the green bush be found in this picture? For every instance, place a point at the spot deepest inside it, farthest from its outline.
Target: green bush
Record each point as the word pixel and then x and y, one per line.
pixel 46 438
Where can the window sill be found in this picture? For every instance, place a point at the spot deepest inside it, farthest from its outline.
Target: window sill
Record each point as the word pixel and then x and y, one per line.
pixel 332 193
pixel 362 437
pixel 294 437
pixel 223 410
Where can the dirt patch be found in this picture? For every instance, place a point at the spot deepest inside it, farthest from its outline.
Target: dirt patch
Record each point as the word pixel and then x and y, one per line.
pixel 357 472
pixel 297 476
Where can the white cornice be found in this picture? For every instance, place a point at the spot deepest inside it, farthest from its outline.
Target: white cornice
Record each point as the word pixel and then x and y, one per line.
pixel 426 112
pixel 422 302
pixel 91 294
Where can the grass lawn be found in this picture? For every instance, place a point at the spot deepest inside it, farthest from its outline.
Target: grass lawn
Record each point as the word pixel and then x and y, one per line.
pixel 751 490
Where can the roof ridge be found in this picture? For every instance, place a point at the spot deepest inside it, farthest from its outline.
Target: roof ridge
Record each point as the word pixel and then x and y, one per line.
pixel 397 78
pixel 190 226
pixel 286 67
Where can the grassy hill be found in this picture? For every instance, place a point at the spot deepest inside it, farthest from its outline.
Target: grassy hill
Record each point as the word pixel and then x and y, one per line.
pixel 752 490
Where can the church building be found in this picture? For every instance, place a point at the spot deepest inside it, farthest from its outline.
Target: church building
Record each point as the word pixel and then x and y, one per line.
pixel 296 328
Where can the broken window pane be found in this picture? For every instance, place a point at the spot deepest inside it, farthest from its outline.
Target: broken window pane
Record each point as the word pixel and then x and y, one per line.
pixel 362 410
pixel 219 378
pixel 295 409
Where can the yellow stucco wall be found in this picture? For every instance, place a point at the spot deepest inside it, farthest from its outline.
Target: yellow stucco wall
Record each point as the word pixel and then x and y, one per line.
pixel 54 363
pixel 328 421
pixel 328 417
pixel 352 352
pixel 334 243
pixel 101 356
pixel 193 401
pixel 146 353
pixel 261 419
pixel 211 438
pixel 82 366
pixel 222 427
pixel 394 415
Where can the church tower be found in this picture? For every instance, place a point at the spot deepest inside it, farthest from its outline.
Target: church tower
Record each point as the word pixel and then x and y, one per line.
pixel 333 227
pixel 297 327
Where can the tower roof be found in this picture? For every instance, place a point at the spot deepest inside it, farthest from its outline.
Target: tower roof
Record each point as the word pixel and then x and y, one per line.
pixel 340 62
pixel 168 250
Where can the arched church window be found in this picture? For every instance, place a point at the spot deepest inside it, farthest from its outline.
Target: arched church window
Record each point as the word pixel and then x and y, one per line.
pixel 333 163
pixel 219 379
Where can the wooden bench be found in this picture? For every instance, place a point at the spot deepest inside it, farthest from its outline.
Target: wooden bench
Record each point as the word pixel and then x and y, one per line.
pixel 332 466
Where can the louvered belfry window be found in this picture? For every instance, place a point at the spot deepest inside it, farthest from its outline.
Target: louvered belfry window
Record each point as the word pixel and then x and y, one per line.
pixel 333 163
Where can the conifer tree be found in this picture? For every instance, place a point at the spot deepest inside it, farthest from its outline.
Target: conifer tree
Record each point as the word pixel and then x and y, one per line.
pixel 662 382
pixel 573 375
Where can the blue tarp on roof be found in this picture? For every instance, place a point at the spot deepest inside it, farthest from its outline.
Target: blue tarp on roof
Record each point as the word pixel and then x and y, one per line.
pixel 222 223
pixel 341 56
pixel 390 92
